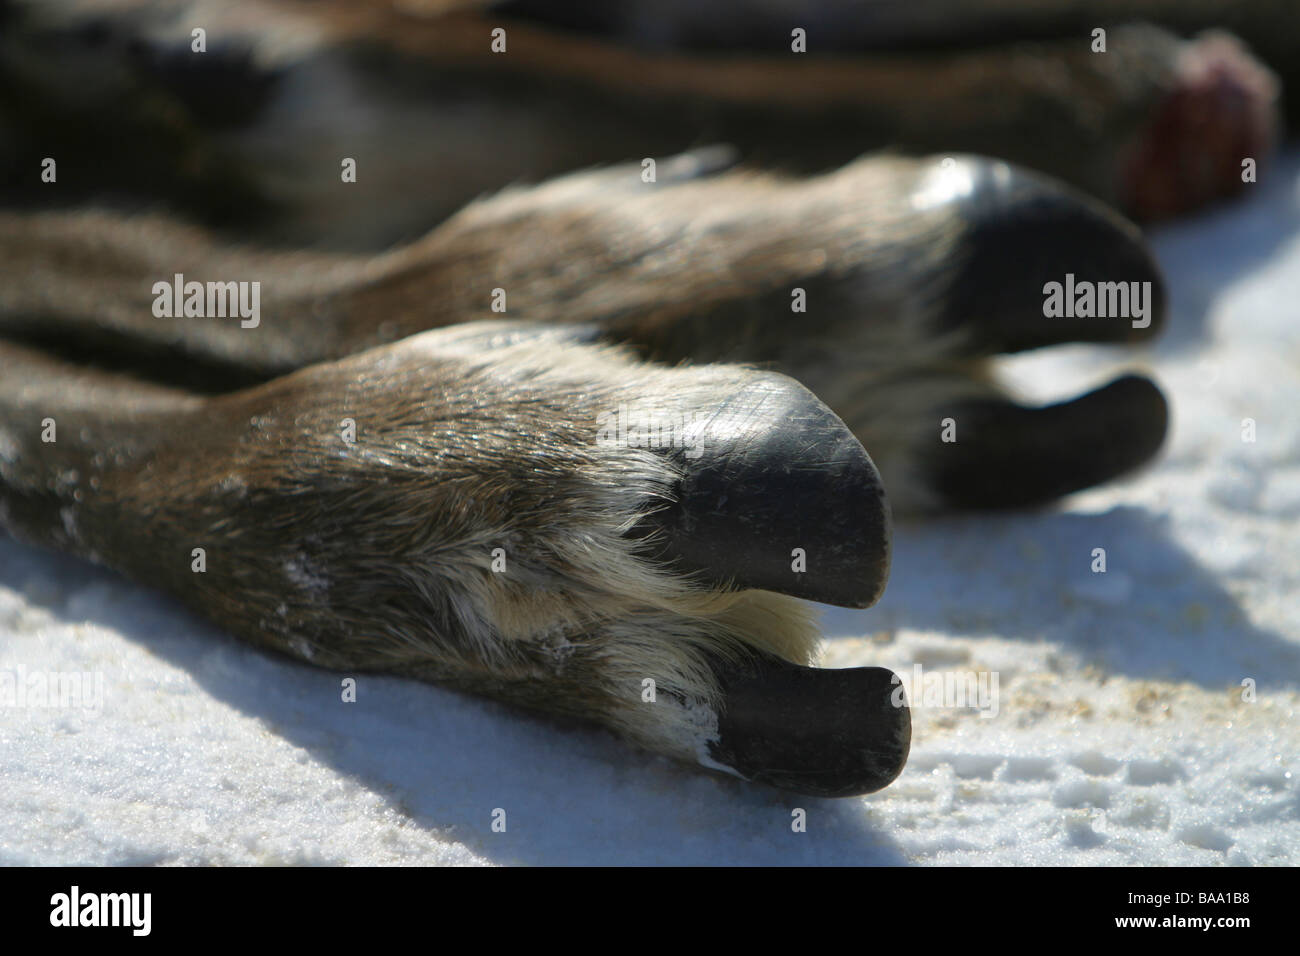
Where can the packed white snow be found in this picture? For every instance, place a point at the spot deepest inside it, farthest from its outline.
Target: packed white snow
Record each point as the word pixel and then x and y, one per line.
pixel 1144 715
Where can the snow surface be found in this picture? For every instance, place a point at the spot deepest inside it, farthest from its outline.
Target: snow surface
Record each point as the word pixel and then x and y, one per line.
pixel 1121 734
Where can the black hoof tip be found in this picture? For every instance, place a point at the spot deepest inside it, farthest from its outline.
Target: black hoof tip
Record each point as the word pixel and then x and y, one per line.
pixel 824 733
pixel 1021 231
pixel 781 498
pixel 1009 456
